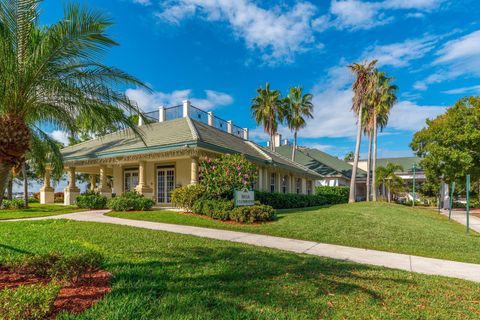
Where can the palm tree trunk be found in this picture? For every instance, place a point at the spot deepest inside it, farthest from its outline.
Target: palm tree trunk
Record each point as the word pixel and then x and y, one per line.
pixel 353 179
pixel 294 145
pixel 374 159
pixel 369 163
pixel 5 170
pixel 25 184
pixel 389 195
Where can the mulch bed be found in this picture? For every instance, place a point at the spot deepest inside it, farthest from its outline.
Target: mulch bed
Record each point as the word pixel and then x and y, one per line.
pixel 72 298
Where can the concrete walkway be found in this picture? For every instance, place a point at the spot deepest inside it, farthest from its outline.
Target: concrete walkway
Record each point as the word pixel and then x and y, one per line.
pixel 461 217
pixel 406 262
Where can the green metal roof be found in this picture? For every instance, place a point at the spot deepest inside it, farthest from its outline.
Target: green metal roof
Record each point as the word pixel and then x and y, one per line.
pixel 176 134
pixel 405 162
pixel 320 162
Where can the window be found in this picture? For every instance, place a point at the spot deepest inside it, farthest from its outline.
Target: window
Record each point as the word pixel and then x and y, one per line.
pixel 284 184
pixel 309 187
pixel 298 185
pixel 273 178
pixel 130 180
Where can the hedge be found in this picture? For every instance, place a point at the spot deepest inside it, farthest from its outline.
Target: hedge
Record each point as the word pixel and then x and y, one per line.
pixel 224 210
pixel 341 192
pixel 185 197
pixel 91 200
pixel 130 201
pixel 292 200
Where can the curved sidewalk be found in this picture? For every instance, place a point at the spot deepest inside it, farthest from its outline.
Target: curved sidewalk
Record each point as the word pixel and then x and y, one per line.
pixel 431 266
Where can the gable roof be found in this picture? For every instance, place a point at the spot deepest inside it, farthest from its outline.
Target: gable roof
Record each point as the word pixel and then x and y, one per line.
pixel 405 162
pixel 177 134
pixel 321 162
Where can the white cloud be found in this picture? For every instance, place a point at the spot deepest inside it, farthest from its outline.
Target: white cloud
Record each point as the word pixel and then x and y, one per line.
pixel 60 136
pixel 278 33
pixel 456 58
pixel 409 116
pixel 356 14
pixel 402 53
pixel 472 89
pixel 149 101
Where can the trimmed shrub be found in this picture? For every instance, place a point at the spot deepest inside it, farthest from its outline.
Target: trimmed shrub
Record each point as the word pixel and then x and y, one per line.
pixel 291 200
pixel 185 197
pixel 30 302
pixel 340 191
pixel 217 209
pixel 91 200
pixel 58 266
pixel 252 214
pixel 13 204
pixel 58 197
pixel 130 201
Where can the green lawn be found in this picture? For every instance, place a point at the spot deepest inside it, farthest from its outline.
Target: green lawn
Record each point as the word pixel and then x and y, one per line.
pixel 159 275
pixel 37 210
pixel 381 226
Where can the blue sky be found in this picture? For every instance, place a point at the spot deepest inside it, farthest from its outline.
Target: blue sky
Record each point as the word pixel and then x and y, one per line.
pixel 218 52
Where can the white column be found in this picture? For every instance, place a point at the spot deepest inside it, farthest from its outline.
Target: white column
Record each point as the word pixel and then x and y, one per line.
pixel 186 108
pixel 140 121
pixel 304 186
pixel 245 133
pixel 229 126
pixel 93 182
pixel 211 119
pixel 161 114
pixel 103 188
pixel 260 179
pixel 71 192
pixel 194 171
pixel 47 194
pixel 142 186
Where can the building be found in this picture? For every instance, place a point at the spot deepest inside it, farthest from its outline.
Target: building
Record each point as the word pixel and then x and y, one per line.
pixel 174 140
pixel 333 171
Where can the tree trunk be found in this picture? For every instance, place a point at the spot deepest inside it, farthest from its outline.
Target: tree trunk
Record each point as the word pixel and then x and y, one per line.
pixel 10 187
pixel 389 194
pixel 25 184
pixel 353 179
pixel 374 159
pixel 294 145
pixel 5 170
pixel 369 163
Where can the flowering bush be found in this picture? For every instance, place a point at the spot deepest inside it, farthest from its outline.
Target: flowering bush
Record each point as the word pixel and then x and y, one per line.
pixel 222 175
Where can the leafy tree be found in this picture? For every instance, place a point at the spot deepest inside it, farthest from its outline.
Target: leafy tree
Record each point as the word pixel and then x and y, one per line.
pixel 450 143
pixel 360 89
pixel 393 183
pixel 349 156
pixel 298 106
pixel 267 110
pixel 52 74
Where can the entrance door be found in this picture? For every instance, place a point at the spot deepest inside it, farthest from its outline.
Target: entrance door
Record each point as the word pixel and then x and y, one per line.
pixel 165 185
pixel 131 180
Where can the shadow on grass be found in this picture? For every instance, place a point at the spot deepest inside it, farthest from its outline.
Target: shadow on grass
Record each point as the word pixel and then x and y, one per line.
pixel 226 280
pixel 10 248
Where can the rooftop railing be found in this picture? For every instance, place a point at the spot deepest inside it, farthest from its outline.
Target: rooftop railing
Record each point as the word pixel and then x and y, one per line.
pixel 187 110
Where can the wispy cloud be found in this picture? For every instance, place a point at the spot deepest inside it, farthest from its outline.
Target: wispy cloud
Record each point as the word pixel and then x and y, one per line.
pixel 470 90
pixel 356 14
pixel 60 136
pixel 143 2
pixel 151 101
pixel 279 33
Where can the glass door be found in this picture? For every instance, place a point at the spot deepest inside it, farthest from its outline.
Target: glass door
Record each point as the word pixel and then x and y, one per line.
pixel 131 180
pixel 165 185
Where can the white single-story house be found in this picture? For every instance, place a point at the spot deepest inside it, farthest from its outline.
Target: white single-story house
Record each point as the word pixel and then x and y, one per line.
pixel 174 140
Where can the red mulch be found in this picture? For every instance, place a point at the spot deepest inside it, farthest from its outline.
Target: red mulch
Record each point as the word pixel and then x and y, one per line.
pixel 73 298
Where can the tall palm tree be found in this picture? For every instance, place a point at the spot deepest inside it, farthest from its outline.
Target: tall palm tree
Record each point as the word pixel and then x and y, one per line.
pixel 368 123
pixel 383 97
pixel 360 89
pixel 267 110
pixel 297 107
pixel 52 75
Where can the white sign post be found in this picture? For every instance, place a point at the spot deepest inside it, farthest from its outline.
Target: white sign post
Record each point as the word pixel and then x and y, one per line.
pixel 244 198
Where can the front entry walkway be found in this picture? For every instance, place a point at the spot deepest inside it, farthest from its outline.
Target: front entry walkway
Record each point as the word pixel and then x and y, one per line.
pixel 467 271
pixel 461 217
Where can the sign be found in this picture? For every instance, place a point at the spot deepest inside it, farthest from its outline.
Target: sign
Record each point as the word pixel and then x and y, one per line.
pixel 244 198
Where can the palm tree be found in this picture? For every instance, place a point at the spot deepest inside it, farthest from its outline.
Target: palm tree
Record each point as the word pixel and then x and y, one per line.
pixel 368 123
pixel 393 183
pixel 297 107
pixel 360 89
pixel 267 110
pixel 383 97
pixel 52 74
